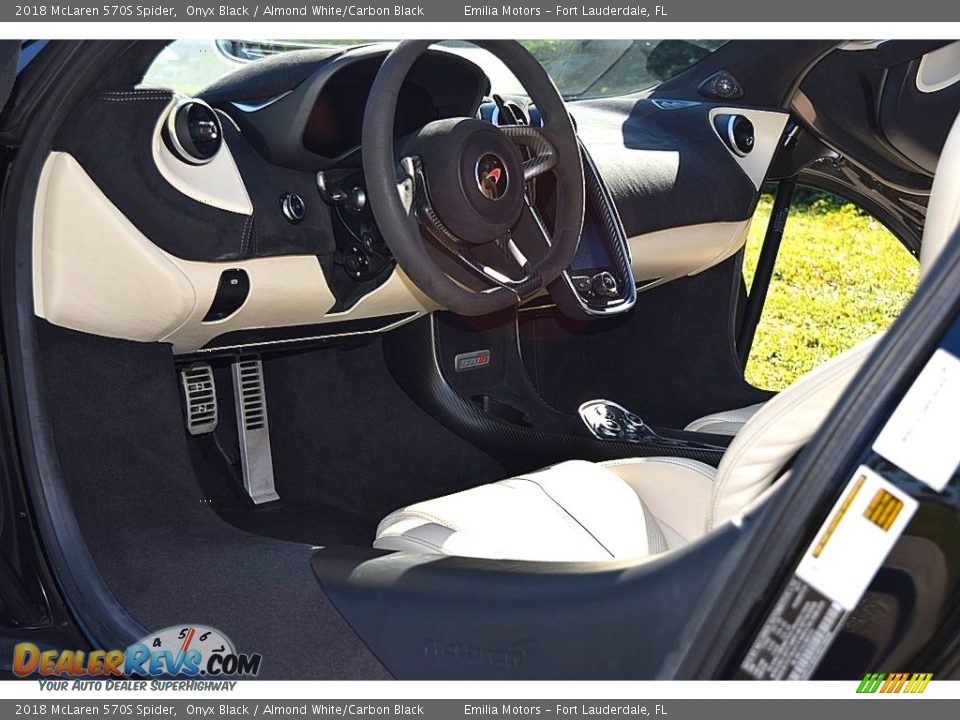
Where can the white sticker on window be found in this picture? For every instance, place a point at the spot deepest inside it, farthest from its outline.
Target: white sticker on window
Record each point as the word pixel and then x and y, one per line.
pixel 921 435
pixel 859 533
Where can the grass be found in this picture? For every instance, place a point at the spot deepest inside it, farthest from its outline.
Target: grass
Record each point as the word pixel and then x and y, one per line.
pixel 840 278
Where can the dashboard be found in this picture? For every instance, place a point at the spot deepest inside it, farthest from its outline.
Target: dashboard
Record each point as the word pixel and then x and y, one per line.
pixel 332 128
pixel 317 124
pixel 269 239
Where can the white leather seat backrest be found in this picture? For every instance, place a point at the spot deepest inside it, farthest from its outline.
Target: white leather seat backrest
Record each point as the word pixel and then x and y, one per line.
pixel 759 452
pixel 943 209
pixel 768 441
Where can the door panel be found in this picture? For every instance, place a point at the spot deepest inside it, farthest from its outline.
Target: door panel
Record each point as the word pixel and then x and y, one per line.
pixel 919 102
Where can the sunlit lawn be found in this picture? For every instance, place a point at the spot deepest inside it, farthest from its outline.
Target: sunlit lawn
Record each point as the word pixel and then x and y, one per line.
pixel 840 278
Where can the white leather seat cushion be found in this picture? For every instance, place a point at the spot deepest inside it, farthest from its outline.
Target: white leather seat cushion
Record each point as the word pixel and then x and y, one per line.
pixel 574 511
pixel 728 422
pixel 676 491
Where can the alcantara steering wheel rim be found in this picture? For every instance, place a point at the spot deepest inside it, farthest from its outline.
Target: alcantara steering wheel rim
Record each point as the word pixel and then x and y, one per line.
pixel 460 162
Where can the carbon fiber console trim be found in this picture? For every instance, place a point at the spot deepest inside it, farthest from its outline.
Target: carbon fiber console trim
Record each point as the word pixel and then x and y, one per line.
pixel 414 357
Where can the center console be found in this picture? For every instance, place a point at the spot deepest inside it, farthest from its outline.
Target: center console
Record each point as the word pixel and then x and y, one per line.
pixel 469 374
pixel 608 420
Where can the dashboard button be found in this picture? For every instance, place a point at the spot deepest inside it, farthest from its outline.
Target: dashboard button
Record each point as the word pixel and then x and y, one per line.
pixel 232 291
pixel 293 207
pixel 356 262
pixel 582 283
pixel 605 285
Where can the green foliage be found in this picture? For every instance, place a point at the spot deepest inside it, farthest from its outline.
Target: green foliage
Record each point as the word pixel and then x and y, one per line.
pixel 840 278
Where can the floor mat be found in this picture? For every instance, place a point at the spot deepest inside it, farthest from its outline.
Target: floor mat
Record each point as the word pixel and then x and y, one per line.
pixel 294 519
pixel 344 434
pixel 348 446
pixel 162 551
pixel 305 522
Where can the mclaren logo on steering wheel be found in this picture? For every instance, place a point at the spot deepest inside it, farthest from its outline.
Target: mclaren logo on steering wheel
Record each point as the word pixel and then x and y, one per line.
pixel 492 176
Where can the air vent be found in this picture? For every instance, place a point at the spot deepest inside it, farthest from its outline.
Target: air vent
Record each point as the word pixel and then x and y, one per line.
pixel 200 397
pixel 193 131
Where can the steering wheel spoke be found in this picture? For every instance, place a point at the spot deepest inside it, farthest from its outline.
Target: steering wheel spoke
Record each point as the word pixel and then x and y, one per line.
pixel 532 231
pixel 504 265
pixel 542 156
pixel 499 263
pixel 407 170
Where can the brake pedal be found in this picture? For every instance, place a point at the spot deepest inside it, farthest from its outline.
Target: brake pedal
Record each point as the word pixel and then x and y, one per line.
pixel 253 429
pixel 200 397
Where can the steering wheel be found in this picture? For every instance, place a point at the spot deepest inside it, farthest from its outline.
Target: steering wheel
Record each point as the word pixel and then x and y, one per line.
pixel 451 199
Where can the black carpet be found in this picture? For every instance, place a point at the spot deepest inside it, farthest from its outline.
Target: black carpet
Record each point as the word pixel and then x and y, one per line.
pixel 303 521
pixel 344 434
pixel 160 547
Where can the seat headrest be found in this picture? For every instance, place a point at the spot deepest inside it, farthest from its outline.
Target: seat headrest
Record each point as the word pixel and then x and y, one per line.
pixel 943 209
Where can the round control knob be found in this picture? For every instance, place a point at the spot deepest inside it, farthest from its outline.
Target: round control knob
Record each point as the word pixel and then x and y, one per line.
pixel 293 207
pixel 605 285
pixel 609 428
pixel 194 132
pixel 358 199
pixel 634 419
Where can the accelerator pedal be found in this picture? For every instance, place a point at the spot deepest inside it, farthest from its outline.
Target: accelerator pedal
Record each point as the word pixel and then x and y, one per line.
pixel 200 398
pixel 253 430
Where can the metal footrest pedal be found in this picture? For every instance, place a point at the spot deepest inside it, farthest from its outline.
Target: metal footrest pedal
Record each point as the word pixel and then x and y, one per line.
pixel 200 398
pixel 253 429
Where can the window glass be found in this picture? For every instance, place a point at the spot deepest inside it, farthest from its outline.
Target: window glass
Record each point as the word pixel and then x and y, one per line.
pixel 840 278
pixel 580 68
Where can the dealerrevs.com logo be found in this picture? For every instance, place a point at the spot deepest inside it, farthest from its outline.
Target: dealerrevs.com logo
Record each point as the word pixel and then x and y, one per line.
pixel 191 651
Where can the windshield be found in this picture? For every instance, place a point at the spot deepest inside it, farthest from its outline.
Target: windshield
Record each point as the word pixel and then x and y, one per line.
pixel 580 68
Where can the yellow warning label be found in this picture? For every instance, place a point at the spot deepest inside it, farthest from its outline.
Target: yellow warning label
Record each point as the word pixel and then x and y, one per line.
pixel 883 510
pixel 861 529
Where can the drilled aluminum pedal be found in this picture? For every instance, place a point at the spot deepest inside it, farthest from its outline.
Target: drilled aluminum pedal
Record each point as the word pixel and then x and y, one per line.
pixel 200 398
pixel 253 430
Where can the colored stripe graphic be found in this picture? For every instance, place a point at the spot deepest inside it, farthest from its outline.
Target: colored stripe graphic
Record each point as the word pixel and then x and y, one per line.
pixel 883 510
pixel 841 511
pixel 871 682
pixel 894 683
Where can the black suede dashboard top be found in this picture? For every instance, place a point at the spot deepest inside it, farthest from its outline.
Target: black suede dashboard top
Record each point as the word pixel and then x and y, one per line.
pixel 111 134
pixel 665 167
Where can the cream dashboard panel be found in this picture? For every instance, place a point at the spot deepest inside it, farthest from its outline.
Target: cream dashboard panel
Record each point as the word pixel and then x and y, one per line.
pixel 94 271
pixel 664 255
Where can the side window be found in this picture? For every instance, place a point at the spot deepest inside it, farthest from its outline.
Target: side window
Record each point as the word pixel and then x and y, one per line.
pixel 840 277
